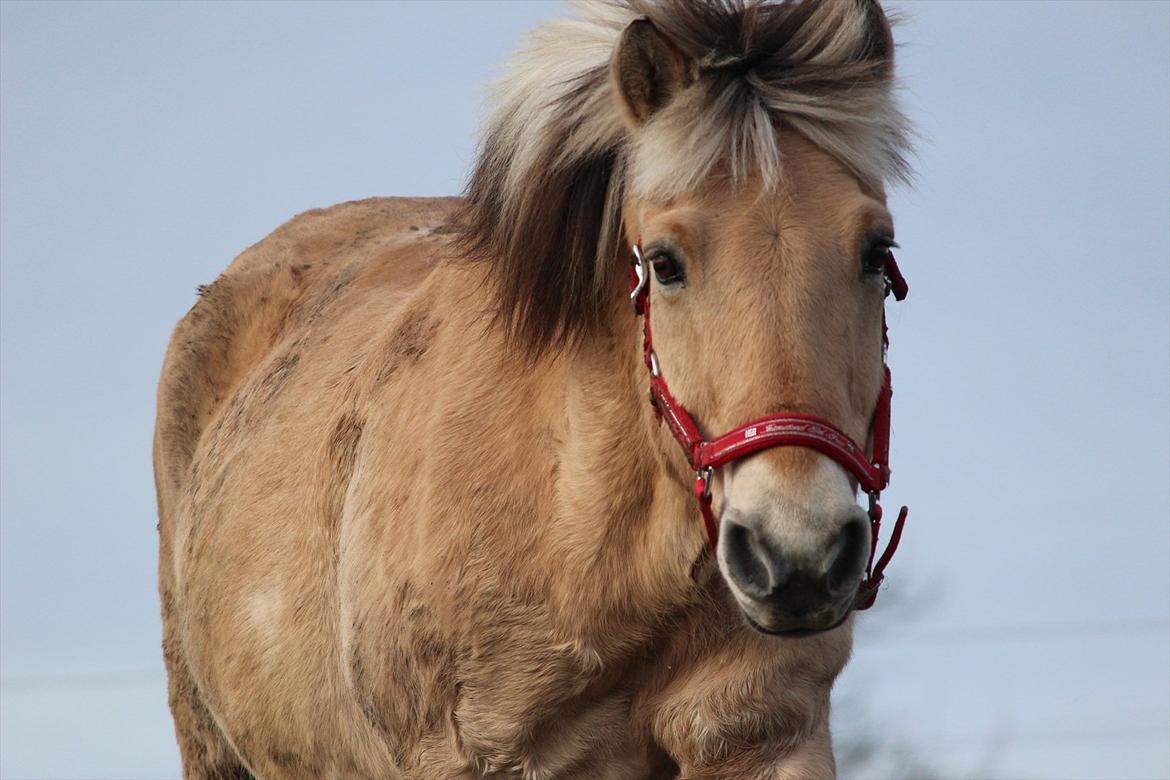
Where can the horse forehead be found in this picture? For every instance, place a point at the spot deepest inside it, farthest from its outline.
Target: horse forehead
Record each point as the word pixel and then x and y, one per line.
pixel 809 167
pixel 816 195
pixel 814 185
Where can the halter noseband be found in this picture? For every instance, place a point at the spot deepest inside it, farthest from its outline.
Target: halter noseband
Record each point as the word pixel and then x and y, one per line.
pixel 780 430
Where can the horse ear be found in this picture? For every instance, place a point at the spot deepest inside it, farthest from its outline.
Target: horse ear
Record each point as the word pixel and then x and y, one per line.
pixel 877 40
pixel 648 70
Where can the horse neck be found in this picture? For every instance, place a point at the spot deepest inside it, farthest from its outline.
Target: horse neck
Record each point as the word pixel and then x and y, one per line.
pixel 623 529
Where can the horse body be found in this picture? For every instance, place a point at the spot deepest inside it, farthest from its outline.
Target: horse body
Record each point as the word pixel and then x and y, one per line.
pixel 337 598
pixel 416 517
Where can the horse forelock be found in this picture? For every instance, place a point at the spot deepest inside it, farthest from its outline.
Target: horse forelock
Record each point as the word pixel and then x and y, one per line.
pixel 558 159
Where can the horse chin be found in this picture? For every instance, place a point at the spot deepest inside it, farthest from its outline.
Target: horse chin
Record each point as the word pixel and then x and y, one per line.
pixel 792 627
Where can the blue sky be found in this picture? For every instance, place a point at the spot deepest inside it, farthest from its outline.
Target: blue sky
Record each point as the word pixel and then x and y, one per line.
pixel 1025 631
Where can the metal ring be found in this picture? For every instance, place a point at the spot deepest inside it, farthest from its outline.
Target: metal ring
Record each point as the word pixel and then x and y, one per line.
pixel 643 277
pixel 654 364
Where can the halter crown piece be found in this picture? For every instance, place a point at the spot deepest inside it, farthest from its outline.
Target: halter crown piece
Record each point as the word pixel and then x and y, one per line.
pixel 872 472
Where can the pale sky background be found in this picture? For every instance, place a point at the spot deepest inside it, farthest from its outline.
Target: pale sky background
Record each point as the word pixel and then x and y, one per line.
pixel 1025 631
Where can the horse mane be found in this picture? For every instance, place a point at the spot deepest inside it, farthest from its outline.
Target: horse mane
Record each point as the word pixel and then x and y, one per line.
pixel 558 157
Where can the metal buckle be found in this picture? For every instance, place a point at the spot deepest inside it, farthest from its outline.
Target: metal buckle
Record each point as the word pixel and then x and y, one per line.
pixel 705 475
pixel 642 275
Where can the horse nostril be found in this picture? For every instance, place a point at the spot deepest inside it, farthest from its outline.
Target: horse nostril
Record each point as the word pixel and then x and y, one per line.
pixel 848 556
pixel 755 567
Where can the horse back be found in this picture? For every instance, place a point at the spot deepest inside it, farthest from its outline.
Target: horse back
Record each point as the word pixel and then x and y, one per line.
pixel 281 284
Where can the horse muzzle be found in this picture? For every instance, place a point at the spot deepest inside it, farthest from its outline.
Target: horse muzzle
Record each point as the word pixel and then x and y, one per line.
pixel 794 584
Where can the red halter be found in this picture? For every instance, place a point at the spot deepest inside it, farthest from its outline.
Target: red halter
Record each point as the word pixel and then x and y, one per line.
pixel 779 430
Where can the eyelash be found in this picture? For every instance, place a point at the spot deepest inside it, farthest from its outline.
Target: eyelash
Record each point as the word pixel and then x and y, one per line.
pixel 667 269
pixel 879 249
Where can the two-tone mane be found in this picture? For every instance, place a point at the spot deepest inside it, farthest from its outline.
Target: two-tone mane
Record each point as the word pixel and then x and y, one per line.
pixel 558 158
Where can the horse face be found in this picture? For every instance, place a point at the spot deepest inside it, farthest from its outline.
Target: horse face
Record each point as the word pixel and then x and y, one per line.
pixel 769 301
pixel 767 254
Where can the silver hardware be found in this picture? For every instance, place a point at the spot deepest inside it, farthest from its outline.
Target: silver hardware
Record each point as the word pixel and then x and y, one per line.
pixel 643 277
pixel 654 364
pixel 705 475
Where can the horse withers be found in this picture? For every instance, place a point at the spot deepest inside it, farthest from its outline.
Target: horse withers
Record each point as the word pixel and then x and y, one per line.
pixel 418 519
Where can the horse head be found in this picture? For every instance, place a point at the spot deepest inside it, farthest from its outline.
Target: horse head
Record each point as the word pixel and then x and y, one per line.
pixel 742 151
pixel 768 265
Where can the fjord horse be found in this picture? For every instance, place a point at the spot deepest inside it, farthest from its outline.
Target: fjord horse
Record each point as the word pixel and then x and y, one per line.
pixel 418 519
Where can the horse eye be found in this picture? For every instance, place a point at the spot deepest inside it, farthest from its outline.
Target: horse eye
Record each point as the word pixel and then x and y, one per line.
pixel 876 259
pixel 667 269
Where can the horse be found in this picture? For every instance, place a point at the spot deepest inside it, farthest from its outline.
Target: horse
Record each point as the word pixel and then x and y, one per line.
pixel 417 518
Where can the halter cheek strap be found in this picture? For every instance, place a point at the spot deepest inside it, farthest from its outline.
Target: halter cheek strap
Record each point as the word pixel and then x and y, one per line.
pixel 872 472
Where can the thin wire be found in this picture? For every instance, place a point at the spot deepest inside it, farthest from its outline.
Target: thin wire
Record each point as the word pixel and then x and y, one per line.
pixel 1015 741
pixel 39 682
pixel 1103 629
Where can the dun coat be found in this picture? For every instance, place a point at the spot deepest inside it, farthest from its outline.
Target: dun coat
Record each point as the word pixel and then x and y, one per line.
pixel 417 519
